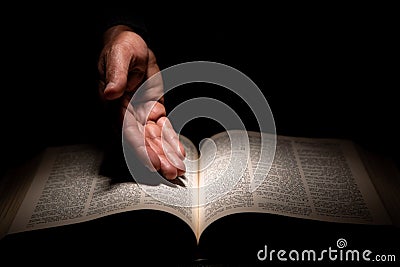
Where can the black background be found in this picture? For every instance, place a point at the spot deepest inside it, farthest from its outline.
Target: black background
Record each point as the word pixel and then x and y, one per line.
pixel 326 71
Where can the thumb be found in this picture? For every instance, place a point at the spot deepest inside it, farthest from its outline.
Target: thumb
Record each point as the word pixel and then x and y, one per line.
pixel 114 90
pixel 117 64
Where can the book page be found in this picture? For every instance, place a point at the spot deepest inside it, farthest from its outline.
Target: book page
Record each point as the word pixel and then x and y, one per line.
pixel 68 188
pixel 385 176
pixel 222 170
pixel 13 188
pixel 321 179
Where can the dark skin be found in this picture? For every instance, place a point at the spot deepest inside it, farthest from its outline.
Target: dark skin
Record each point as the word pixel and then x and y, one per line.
pixel 125 63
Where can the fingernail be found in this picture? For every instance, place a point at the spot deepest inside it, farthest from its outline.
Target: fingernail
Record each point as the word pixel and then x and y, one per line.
pixel 176 161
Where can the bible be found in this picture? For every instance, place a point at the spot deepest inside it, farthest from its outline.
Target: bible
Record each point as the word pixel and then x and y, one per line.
pixel 318 179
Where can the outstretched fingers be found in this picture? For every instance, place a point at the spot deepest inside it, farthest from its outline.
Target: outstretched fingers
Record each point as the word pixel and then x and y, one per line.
pixel 172 164
pixel 173 148
pixel 134 135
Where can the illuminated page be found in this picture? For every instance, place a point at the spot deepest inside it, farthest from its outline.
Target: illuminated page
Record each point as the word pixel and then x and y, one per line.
pixel 67 188
pixel 320 179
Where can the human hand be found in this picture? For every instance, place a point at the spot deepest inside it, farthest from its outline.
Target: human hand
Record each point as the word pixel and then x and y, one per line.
pixel 125 63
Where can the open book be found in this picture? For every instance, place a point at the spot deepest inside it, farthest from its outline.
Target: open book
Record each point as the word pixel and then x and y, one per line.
pixel 310 178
